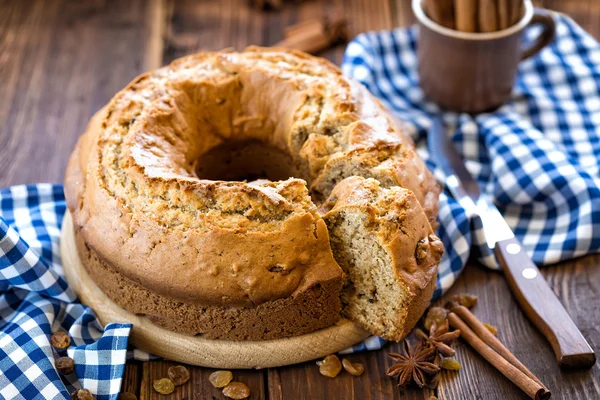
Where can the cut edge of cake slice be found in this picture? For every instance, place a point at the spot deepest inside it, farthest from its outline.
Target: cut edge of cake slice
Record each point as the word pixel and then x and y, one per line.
pixel 383 241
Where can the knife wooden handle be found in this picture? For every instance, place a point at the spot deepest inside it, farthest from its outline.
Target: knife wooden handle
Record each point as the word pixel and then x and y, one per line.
pixel 542 306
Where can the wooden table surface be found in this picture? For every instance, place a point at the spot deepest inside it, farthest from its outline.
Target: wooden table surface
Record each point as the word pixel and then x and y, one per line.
pixel 60 61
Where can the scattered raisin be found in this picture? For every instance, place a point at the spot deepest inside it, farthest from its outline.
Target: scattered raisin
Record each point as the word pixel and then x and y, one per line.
pixel 355 369
pixel 127 396
pixel 437 315
pixel 464 299
pixel 163 386
pixel 236 390
pixel 179 374
pixel 65 365
pixel 493 330
pixel 220 379
pixel 451 364
pixel 60 340
pixel 82 394
pixel 330 366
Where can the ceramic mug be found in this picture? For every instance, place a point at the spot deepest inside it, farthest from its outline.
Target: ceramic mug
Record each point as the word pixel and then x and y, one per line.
pixel 475 72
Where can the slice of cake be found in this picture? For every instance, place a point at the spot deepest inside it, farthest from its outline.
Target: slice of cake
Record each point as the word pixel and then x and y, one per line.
pixel 383 241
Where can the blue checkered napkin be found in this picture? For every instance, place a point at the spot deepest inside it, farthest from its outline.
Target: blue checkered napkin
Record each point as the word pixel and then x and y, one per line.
pixel 537 157
pixel 35 301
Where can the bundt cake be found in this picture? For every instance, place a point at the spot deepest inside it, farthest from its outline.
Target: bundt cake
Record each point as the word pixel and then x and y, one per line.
pixel 170 223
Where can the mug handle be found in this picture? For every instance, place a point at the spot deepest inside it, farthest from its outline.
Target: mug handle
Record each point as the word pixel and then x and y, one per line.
pixel 543 18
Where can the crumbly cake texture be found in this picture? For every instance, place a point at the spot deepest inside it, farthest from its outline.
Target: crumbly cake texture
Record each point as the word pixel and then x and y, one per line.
pixel 382 240
pixel 231 259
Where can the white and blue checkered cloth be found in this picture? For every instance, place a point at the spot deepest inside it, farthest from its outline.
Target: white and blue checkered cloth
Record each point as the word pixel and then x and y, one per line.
pixel 35 301
pixel 538 157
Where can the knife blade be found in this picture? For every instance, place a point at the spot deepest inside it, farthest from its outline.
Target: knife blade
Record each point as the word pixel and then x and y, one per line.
pixel 531 290
pixel 464 188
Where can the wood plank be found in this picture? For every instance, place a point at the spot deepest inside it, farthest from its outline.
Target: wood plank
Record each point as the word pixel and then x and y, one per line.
pixel 305 382
pixel 198 387
pixel 402 14
pixel 585 12
pixel 132 378
pixel 61 61
pixel 214 24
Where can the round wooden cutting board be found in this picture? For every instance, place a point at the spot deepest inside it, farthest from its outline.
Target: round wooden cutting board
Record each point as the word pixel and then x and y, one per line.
pixel 197 350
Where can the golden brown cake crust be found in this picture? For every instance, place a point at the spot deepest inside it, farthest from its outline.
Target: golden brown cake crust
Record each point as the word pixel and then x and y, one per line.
pixel 210 265
pixel 137 202
pixel 305 312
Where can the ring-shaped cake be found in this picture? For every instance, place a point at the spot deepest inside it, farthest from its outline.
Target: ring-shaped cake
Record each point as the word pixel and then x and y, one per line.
pixel 161 235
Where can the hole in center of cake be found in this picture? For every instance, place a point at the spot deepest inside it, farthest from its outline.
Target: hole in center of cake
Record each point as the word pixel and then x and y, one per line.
pixel 248 160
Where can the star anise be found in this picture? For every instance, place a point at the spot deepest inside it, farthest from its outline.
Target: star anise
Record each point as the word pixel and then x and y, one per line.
pixel 440 338
pixel 414 365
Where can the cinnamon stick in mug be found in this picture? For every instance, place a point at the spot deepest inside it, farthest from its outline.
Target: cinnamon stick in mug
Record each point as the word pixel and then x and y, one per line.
pixel 503 14
pixel 465 13
pixel 440 11
pixel 516 11
pixel 487 16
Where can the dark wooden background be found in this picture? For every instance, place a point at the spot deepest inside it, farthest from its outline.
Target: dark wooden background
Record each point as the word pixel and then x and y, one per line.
pixel 60 61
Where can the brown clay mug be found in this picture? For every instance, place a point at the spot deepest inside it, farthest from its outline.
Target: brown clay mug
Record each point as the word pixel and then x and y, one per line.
pixel 475 72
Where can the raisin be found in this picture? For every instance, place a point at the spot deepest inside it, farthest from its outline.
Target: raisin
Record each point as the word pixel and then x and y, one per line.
pixel 60 340
pixel 220 379
pixel 82 394
pixel 236 390
pixel 163 386
pixel 422 250
pixel 330 366
pixel 127 396
pixel 464 299
pixel 493 330
pixel 451 364
pixel 355 369
pixel 179 375
pixel 65 365
pixel 437 315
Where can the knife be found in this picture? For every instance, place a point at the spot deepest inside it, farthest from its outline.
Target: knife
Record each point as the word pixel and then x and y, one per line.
pixel 528 285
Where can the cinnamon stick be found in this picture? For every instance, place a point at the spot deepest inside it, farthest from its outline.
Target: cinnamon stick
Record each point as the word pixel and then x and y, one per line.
pixel 487 16
pixel 309 40
pixel 515 375
pixel 516 11
pixel 503 14
pixel 477 326
pixel 465 13
pixel 308 25
pixel 440 11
